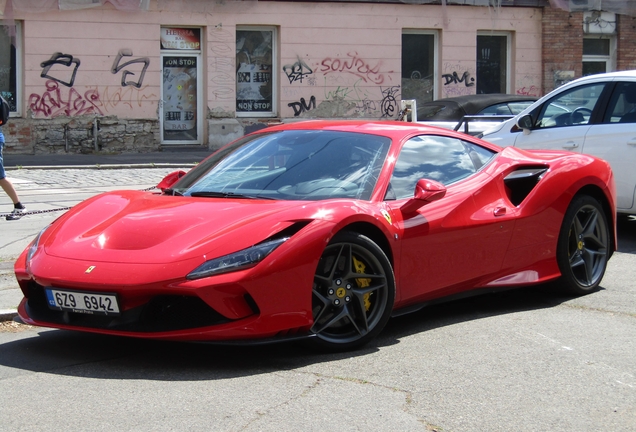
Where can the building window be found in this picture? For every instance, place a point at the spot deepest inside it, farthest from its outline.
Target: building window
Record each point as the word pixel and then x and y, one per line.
pixel 181 122
pixel 419 60
pixel 493 63
pixel 597 55
pixel 255 82
pixel 10 67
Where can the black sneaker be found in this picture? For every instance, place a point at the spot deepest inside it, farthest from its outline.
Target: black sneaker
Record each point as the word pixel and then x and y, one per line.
pixel 16 214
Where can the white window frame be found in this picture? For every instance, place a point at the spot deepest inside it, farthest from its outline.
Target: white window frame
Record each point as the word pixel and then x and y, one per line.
pixel 436 50
pixel 274 77
pixel 201 117
pixel 509 37
pixel 610 59
pixel 18 70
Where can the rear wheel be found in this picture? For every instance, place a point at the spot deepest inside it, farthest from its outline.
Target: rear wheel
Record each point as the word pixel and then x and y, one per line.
pixel 584 246
pixel 353 293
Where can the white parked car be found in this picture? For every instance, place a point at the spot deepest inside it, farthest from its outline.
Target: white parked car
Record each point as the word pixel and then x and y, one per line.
pixel 599 119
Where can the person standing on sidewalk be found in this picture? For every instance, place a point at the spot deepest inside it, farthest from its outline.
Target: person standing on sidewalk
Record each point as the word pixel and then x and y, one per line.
pixel 18 208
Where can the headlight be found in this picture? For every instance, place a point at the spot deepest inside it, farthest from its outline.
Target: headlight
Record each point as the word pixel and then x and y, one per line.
pixel 34 247
pixel 236 261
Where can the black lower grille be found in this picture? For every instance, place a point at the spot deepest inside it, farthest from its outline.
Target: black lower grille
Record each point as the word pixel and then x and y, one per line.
pixel 160 314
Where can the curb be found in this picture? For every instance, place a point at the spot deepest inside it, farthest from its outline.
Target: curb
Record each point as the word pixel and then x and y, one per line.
pixel 8 314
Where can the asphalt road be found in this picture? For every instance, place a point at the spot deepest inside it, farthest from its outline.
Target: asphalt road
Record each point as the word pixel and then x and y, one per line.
pixel 522 360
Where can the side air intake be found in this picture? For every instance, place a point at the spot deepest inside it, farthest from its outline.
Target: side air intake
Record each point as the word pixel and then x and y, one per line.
pixel 520 182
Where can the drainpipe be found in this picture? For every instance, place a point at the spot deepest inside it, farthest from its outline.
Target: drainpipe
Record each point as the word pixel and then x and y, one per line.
pixel 66 137
pixel 95 132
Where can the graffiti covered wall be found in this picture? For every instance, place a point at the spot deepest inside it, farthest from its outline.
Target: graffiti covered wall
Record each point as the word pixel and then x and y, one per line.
pixel 333 60
pixel 352 67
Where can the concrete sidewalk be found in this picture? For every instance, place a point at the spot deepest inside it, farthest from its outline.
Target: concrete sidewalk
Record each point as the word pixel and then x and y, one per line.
pixel 170 157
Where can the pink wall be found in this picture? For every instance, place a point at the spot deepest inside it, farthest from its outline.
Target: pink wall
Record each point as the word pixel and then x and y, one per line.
pixel 349 53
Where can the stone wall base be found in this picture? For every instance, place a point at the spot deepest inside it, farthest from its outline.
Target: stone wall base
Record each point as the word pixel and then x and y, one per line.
pixel 80 135
pixel 90 134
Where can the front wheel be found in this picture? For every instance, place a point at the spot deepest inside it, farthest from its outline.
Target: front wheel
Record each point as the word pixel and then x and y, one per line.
pixel 583 247
pixel 353 293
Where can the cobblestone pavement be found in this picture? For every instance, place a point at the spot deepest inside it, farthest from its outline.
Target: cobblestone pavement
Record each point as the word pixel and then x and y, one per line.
pixel 30 179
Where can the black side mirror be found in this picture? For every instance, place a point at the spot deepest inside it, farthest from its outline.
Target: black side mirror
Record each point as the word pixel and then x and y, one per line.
pixel 525 122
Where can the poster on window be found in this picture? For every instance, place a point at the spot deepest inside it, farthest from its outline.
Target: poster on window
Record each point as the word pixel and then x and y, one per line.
pixel 180 38
pixel 254 71
pixel 180 98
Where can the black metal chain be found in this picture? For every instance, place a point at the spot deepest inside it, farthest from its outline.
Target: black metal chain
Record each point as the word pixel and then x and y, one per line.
pixel 3 216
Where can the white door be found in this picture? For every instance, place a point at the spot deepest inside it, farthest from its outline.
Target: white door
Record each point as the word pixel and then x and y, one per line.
pixel 181 113
pixel 615 141
pixel 563 121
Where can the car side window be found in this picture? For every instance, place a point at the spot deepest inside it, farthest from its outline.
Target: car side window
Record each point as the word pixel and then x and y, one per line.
pixel 439 158
pixel 571 108
pixel 505 108
pixel 622 105
pixel 497 109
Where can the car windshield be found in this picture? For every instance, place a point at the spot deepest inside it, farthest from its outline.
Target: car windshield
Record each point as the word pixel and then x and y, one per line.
pixel 291 165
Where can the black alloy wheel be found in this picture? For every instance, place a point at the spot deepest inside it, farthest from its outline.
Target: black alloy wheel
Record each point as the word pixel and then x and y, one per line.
pixel 583 247
pixel 353 293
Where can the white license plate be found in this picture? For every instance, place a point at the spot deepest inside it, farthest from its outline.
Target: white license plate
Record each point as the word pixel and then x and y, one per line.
pixel 82 302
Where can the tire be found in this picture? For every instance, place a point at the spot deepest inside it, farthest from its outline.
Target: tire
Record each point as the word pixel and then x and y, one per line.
pixel 350 310
pixel 583 247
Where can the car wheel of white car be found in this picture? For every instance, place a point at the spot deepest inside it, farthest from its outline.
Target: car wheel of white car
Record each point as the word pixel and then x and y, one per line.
pixel 583 247
pixel 353 293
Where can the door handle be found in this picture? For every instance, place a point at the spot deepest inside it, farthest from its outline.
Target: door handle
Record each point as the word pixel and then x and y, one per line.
pixel 632 142
pixel 499 211
pixel 570 144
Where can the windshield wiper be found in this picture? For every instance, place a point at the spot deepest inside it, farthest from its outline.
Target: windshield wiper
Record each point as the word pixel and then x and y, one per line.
pixel 208 194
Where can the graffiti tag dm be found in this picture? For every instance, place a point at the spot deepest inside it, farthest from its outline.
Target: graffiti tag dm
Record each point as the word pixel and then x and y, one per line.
pixel 454 78
pixel 302 106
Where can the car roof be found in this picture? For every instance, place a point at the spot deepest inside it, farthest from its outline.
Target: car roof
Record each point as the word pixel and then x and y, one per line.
pixel 455 108
pixel 616 74
pixel 375 127
pixel 602 77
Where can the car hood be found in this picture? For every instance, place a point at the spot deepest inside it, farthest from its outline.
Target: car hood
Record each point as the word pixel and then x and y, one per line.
pixel 139 227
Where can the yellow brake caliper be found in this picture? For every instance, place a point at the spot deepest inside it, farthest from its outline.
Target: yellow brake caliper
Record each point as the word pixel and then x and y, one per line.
pixel 362 282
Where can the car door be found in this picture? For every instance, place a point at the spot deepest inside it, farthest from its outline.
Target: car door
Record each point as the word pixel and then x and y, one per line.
pixel 562 122
pixel 459 238
pixel 615 141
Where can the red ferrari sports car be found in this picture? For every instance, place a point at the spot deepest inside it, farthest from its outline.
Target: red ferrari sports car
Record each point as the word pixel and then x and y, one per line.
pixel 321 230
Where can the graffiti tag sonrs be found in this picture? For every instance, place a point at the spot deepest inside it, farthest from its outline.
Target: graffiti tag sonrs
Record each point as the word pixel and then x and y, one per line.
pixel 354 65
